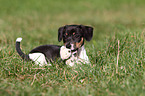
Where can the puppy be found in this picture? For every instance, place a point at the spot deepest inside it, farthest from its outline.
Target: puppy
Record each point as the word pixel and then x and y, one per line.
pixel 73 37
pixel 72 52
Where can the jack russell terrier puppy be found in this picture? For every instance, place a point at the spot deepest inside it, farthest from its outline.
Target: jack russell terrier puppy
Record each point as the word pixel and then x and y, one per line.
pixel 72 52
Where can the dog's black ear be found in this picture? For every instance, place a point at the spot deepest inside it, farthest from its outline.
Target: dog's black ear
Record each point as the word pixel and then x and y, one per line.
pixel 60 33
pixel 87 32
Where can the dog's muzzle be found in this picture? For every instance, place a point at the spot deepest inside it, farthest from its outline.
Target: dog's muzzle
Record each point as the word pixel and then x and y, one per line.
pixel 74 46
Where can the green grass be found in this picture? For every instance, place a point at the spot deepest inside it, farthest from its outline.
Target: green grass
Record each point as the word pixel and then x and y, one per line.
pixel 116 69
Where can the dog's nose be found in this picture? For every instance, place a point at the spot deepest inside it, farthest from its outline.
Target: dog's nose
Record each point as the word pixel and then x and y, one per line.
pixel 68 46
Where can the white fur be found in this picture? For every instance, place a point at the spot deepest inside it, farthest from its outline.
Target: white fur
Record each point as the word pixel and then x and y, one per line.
pixel 72 46
pixel 19 39
pixel 65 53
pixel 70 62
pixel 82 57
pixel 38 58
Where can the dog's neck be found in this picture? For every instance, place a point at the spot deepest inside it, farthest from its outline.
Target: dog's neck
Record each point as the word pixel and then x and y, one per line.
pixel 81 53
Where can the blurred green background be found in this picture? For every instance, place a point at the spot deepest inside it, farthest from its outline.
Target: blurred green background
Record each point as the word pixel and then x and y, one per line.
pixel 40 20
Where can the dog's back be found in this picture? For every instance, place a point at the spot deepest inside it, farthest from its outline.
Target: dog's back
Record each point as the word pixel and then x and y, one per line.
pixel 50 51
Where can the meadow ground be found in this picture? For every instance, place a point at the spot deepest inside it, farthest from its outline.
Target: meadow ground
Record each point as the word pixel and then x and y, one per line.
pixel 116 52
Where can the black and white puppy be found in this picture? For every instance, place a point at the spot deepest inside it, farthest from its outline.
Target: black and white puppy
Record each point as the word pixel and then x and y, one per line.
pixel 72 52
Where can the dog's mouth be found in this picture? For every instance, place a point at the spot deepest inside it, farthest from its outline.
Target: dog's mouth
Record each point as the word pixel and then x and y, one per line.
pixel 74 50
pixel 75 46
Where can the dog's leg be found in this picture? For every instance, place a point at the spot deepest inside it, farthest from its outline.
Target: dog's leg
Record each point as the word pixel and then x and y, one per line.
pixel 38 58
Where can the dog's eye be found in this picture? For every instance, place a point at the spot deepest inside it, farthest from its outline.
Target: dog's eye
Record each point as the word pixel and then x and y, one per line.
pixel 66 34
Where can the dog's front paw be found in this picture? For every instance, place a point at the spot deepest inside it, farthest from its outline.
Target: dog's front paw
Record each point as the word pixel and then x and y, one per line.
pixel 70 62
pixel 65 53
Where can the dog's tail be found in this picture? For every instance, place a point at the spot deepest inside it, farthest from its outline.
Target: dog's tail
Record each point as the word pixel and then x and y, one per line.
pixel 18 49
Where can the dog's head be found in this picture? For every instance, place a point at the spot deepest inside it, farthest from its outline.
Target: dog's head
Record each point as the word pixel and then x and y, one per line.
pixel 73 35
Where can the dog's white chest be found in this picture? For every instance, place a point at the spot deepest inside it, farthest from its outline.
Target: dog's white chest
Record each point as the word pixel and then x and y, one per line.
pixel 72 59
pixel 83 54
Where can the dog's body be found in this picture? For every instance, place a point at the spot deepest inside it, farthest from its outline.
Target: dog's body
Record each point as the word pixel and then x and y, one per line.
pixel 72 52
